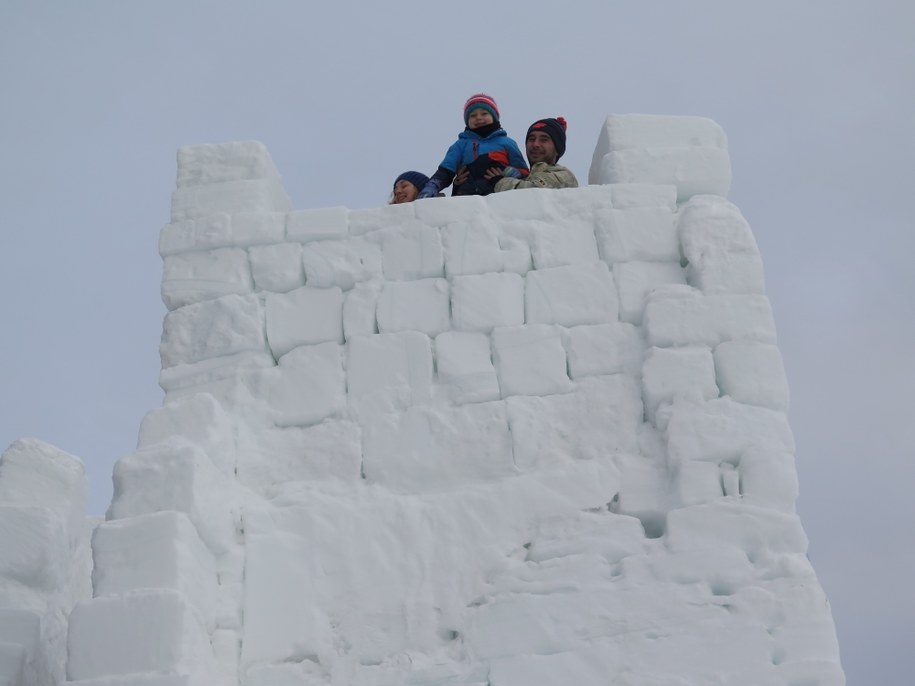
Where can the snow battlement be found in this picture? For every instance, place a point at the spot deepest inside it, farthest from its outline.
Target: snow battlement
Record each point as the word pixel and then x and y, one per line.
pixel 532 438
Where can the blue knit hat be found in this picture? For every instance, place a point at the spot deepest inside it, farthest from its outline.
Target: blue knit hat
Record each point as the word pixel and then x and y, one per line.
pixel 418 179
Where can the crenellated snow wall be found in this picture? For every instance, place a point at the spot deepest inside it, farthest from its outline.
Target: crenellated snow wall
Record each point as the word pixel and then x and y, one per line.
pixel 530 439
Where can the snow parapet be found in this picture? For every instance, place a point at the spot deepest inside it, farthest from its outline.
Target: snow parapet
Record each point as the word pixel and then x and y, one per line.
pixel 532 438
pixel 44 559
pixel 688 152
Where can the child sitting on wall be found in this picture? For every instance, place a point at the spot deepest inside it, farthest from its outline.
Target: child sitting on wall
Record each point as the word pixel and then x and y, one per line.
pixel 481 146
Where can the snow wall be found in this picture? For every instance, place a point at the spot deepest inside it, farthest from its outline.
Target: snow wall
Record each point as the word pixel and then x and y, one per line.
pixel 532 439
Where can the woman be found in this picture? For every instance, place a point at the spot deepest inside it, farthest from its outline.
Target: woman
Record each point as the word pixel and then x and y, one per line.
pixel 407 187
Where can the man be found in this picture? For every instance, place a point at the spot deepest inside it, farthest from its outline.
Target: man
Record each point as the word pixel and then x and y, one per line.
pixel 544 145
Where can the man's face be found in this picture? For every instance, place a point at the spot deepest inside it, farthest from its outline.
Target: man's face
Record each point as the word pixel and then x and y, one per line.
pixel 540 148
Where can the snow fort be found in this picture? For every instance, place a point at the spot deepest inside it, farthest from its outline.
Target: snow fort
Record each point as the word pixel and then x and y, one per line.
pixel 537 438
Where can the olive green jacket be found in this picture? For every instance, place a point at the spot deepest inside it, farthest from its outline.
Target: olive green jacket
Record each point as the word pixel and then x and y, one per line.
pixel 542 175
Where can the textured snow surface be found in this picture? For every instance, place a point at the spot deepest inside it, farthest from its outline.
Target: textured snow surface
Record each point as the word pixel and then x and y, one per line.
pixel 531 439
pixel 45 559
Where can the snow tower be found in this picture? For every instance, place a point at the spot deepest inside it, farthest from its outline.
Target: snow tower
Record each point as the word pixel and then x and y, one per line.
pixel 537 438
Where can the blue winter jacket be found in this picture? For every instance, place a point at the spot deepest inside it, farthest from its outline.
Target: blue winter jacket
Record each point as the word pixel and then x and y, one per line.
pixel 470 145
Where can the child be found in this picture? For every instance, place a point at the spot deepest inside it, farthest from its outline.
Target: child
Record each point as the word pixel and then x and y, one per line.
pixel 481 146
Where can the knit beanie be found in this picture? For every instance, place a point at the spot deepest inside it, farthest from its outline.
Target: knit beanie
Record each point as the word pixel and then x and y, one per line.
pixel 481 101
pixel 555 129
pixel 418 179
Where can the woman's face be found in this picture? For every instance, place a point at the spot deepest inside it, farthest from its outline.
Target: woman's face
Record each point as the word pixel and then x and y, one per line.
pixel 404 191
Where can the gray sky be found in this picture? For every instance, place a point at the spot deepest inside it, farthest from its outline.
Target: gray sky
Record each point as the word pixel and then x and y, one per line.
pixel 816 97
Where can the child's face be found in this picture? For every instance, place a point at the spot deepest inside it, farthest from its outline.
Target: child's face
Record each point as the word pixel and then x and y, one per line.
pixel 479 117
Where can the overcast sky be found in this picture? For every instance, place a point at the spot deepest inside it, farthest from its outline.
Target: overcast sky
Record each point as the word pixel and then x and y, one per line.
pixel 817 99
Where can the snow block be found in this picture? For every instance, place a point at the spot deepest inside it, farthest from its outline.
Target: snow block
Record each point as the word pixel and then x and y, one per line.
pixel 290 607
pixel 696 483
pixel 723 568
pixel 211 376
pixel 35 545
pixel 36 474
pixel 738 274
pixel 157 550
pixel 139 631
pixel 604 349
pixel 198 276
pixel 513 207
pixel 430 449
pixel 684 317
pixel 613 537
pixel 622 131
pixel 20 628
pixel 635 280
pixel 390 371
pixel 304 316
pixel 215 328
pixel 694 171
pixel 413 254
pixel 530 360
pixel 719 247
pixel 369 220
pixel 422 305
pixel 644 492
pixel 712 227
pixel 254 195
pixel 308 385
pixel 331 450
pixel 580 294
pixel 639 233
pixel 768 478
pixel 599 419
pixel 220 162
pixel 460 209
pixel 221 230
pixel 669 373
pixel 359 306
pixel 277 268
pixel 317 225
pixel 199 419
pixel 341 263
pixel 484 301
pixel 688 152
pixel 587 200
pixel 471 248
pixel 568 241
pixel 258 228
pixel 516 255
pixel 206 233
pixel 464 363
pixel 721 430
pixel 752 373
pixel 625 196
pixel 549 623
pixel 756 531
pixel 175 475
